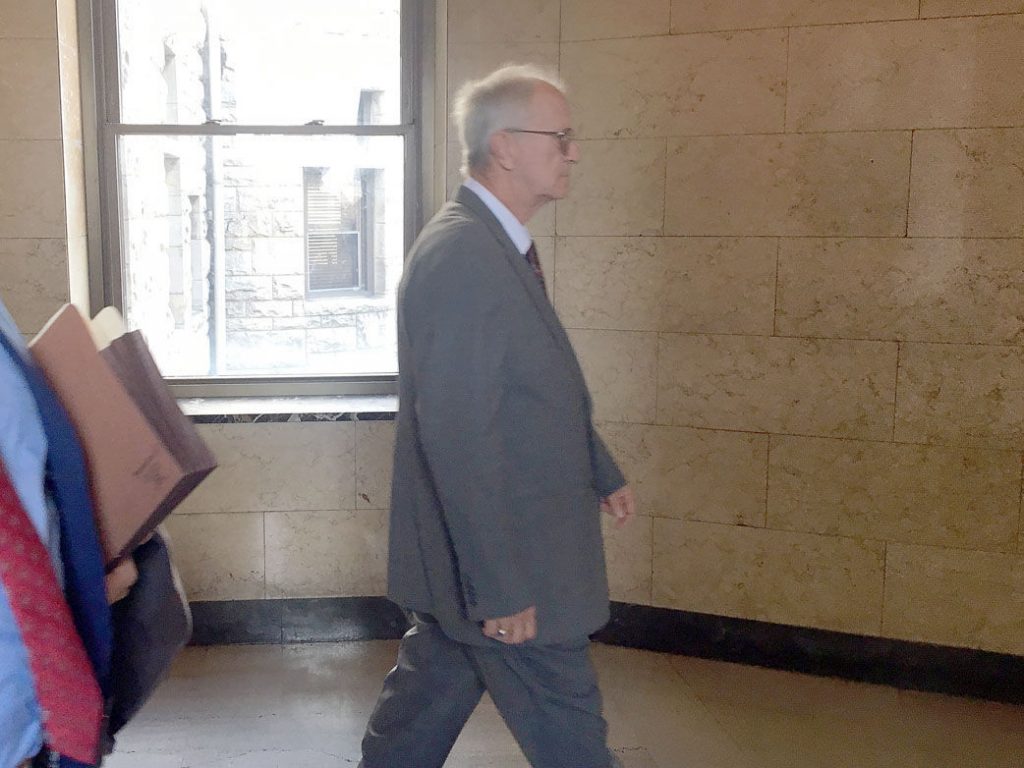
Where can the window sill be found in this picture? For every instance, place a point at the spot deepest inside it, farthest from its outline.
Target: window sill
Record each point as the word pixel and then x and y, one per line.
pixel 252 410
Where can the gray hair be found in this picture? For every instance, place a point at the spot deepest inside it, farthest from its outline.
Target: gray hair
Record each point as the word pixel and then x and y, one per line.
pixel 499 100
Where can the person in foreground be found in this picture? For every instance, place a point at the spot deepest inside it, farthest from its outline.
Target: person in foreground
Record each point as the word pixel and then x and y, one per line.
pixel 499 479
pixel 80 649
pixel 55 628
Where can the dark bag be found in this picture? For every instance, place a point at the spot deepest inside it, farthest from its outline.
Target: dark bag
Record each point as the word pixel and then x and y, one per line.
pixel 151 625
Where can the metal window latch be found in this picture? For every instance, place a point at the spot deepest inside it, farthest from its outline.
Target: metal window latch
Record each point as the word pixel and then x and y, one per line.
pixel 315 122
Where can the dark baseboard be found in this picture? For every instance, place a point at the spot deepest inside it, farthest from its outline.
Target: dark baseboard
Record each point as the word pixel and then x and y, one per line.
pixel 899 663
pixel 299 620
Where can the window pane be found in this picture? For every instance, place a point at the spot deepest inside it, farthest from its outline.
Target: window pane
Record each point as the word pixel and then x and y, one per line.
pixel 260 62
pixel 263 255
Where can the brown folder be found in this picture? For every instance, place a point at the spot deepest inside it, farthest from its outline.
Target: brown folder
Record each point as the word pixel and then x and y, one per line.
pixel 143 454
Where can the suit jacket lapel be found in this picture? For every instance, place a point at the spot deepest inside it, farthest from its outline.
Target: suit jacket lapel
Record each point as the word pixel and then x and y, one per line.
pixel 522 270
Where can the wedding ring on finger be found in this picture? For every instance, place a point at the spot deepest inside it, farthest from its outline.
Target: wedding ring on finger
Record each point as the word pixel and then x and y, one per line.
pixel 502 632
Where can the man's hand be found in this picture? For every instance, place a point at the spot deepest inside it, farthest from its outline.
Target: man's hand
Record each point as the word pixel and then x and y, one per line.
pixel 120 580
pixel 513 630
pixel 621 505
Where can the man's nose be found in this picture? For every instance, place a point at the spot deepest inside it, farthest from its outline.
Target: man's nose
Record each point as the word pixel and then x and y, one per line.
pixel 573 155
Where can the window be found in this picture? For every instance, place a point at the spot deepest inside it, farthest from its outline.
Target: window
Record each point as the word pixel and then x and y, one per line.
pixel 258 181
pixel 337 258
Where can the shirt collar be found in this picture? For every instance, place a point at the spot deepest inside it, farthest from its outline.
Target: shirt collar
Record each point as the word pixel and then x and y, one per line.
pixel 513 227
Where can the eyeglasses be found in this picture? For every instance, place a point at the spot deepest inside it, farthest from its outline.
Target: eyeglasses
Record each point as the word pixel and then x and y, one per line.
pixel 565 138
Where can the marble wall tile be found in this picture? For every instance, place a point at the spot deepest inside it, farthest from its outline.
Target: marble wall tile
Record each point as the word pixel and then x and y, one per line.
pixel 916 494
pixel 672 85
pixel 712 285
pixel 595 19
pixel 814 184
pixel 618 188
pixel 752 573
pixel 955 597
pixel 543 224
pixel 78 273
pixel 700 15
pixel 278 467
pixel 967 184
pixel 627 552
pixel 932 74
pixel 35 280
pixel 29 89
pixel 326 554
pixel 969 7
pixel 621 372
pixel 499 21
pixel 468 61
pixel 375 448
pixel 70 91
pixel 693 474
pixel 220 557
pixel 961 395
pixel 823 388
pixel 918 289
pixel 67 19
pixel 31 189
pixel 74 188
pixel 34 19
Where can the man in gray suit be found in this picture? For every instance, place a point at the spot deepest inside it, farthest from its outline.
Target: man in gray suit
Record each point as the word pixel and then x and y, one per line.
pixel 495 540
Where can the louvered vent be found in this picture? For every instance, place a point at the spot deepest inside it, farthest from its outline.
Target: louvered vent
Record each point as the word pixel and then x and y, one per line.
pixel 332 250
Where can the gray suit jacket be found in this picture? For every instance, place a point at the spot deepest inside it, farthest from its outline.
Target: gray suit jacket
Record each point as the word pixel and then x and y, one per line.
pixel 498 469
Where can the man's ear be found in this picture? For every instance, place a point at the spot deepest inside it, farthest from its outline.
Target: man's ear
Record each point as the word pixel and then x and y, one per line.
pixel 503 149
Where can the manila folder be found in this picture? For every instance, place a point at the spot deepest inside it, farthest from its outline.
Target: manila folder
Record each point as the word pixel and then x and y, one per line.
pixel 131 471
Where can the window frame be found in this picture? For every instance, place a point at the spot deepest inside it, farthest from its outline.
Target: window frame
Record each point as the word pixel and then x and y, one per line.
pixel 97 37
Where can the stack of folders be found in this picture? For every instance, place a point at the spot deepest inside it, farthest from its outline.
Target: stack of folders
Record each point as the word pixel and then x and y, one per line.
pixel 144 455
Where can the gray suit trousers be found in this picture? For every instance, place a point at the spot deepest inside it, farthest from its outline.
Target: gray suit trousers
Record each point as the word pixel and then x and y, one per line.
pixel 548 697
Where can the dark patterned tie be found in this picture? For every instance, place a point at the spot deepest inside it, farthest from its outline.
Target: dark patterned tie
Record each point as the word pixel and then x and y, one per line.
pixel 64 682
pixel 534 261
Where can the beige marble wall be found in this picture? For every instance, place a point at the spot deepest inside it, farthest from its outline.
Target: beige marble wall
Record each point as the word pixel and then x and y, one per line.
pixel 42 198
pixel 296 509
pixel 791 265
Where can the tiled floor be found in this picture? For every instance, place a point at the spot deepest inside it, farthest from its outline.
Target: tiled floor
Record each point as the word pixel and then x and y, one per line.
pixel 306 705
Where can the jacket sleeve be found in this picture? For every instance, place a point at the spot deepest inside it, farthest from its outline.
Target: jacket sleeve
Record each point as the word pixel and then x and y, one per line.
pixel 608 478
pixel 460 340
